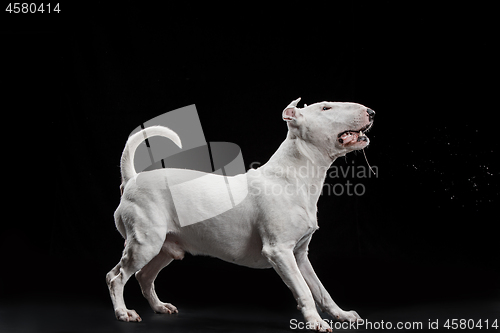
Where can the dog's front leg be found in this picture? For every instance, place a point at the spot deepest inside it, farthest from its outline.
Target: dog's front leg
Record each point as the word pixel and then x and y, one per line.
pixel 320 294
pixel 283 261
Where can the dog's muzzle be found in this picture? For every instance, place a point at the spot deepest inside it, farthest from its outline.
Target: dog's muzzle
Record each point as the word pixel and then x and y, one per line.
pixel 371 114
pixel 351 136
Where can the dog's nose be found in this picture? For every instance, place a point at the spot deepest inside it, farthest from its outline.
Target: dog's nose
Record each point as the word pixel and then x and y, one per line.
pixel 371 113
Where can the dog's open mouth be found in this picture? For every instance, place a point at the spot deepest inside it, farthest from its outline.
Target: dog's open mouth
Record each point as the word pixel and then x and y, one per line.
pixel 350 136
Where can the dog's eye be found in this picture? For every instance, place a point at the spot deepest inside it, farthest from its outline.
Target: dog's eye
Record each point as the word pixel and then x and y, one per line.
pixel 326 108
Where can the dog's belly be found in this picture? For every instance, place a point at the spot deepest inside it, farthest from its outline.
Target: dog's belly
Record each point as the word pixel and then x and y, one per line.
pixel 238 251
pixel 232 237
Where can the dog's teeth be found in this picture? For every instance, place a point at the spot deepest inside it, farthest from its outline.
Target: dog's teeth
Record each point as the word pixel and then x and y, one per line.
pixel 360 133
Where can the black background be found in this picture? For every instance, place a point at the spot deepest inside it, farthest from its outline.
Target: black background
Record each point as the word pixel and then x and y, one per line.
pixel 77 83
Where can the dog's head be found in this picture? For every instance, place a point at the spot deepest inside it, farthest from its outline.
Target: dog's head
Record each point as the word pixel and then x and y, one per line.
pixel 336 128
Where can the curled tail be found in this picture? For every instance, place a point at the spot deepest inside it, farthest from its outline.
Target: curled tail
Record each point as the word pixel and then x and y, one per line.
pixel 127 160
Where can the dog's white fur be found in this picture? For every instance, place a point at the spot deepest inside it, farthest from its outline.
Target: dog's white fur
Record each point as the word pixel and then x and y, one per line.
pixel 268 228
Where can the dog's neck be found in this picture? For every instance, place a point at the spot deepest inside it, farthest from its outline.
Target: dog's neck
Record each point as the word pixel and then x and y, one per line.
pixel 300 162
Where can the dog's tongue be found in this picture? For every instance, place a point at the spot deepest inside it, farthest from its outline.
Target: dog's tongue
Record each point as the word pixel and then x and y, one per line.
pixel 349 137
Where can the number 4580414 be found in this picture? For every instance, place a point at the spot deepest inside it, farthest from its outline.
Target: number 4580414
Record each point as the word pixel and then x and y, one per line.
pixel 25 8
pixel 470 324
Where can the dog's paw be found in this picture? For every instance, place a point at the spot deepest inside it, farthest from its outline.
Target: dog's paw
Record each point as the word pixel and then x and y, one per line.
pixel 315 323
pixel 351 316
pixel 354 316
pixel 165 308
pixel 320 325
pixel 127 315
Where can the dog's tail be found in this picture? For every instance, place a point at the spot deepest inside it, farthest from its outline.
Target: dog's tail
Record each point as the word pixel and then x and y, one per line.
pixel 127 160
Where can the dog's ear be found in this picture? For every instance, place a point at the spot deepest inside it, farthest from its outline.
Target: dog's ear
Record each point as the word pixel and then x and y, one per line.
pixel 291 112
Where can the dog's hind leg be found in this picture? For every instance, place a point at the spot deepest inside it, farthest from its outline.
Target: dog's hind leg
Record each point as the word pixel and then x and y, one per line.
pixel 146 277
pixel 142 247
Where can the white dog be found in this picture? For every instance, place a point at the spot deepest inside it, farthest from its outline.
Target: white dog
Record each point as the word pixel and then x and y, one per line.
pixel 268 228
